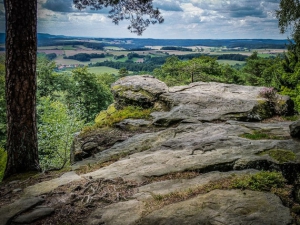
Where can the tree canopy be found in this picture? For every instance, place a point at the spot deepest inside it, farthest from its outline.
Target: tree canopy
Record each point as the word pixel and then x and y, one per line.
pixel 133 10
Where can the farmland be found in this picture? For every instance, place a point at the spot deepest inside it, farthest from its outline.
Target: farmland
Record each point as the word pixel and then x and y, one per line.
pixel 102 69
pixel 124 52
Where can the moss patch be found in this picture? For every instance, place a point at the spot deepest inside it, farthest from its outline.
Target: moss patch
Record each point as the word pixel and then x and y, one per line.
pixel 262 181
pixel 280 155
pixel 260 135
pixel 112 116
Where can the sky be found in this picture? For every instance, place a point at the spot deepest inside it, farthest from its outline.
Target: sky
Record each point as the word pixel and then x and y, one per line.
pixel 184 19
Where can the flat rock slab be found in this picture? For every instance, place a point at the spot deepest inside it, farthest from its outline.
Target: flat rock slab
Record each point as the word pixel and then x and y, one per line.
pixel 7 212
pixel 232 207
pixel 36 214
pixel 212 101
pixel 118 214
pixel 47 186
pixel 204 147
pixel 129 212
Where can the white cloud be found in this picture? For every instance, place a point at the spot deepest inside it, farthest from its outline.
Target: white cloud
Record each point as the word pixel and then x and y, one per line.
pixel 183 19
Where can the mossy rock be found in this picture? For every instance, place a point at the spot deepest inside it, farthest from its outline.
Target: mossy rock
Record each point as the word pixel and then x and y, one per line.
pixel 280 155
pixel 261 111
pixel 104 114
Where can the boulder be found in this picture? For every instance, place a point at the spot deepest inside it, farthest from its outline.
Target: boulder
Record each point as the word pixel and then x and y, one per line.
pixel 138 90
pixel 217 101
pixel 295 129
pixel 200 101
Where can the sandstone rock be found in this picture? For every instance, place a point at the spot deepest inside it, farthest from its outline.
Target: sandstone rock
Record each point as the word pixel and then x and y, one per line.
pixel 203 147
pixel 210 122
pixel 295 129
pixel 121 213
pixel 137 90
pixel 36 214
pixel 215 101
pixel 7 212
pixel 47 186
pixel 233 207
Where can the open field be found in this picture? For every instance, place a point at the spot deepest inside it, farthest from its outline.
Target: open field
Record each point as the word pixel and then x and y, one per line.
pixel 48 51
pixel 113 48
pixel 102 69
pixel 230 62
pixel 77 51
pixel 61 61
pixel 70 50
pixel 58 47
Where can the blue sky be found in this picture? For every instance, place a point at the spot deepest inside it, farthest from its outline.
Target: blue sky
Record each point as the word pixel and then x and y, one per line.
pixel 192 19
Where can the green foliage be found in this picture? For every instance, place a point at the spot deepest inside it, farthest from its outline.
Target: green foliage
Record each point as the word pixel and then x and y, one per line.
pixel 88 93
pixel 261 181
pixel 49 82
pixel 113 117
pixel 123 72
pixel 56 126
pixel 204 68
pixel 280 155
pixel 3 158
pixel 106 79
pixel 288 17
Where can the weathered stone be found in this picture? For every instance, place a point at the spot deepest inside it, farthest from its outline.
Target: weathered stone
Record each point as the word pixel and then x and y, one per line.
pixel 137 90
pixel 87 146
pixel 7 212
pixel 47 186
pixel 295 129
pixel 204 147
pixel 131 123
pixel 233 207
pixel 215 101
pixel 34 215
pixel 16 190
pixel 209 138
pixel 120 213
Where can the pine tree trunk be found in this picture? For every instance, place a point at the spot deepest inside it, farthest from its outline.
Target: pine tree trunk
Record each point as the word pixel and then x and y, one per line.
pixel 21 49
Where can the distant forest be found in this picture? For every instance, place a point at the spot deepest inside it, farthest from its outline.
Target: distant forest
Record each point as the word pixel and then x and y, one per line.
pixel 139 43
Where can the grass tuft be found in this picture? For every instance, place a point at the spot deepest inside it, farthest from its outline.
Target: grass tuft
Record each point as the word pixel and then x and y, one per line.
pixel 280 155
pixel 260 135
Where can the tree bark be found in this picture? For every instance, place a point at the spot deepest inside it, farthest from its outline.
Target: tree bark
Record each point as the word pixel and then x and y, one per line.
pixel 21 49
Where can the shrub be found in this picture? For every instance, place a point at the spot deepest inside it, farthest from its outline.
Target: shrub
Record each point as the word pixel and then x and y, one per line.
pixel 56 127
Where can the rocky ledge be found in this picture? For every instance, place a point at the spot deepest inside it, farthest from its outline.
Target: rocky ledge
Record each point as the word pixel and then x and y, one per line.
pixel 207 155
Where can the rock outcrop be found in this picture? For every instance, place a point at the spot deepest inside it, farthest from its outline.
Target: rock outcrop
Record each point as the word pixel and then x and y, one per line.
pixel 203 127
pixel 212 130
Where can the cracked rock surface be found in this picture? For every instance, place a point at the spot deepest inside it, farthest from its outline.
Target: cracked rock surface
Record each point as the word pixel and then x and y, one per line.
pixel 203 129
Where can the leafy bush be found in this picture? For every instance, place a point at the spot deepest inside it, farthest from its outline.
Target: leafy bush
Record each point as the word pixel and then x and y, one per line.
pixel 56 126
